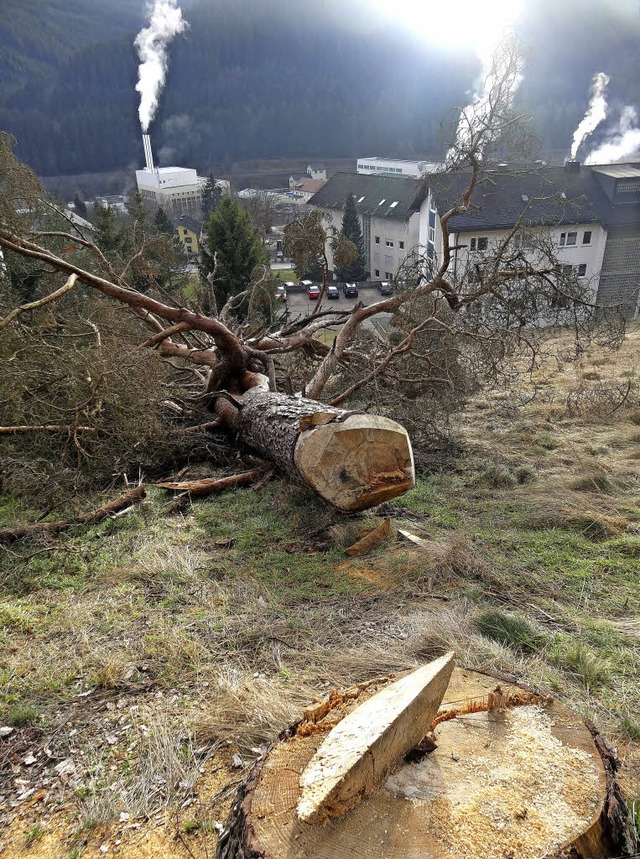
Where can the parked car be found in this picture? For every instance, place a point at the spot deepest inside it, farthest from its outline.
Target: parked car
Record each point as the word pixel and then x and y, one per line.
pixel 306 283
pixel 333 291
pixel 281 292
pixel 289 284
pixel 384 288
pixel 313 291
pixel 350 290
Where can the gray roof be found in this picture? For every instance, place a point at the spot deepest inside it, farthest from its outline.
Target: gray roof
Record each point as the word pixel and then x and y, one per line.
pixel 392 197
pixel 550 196
pixel 187 221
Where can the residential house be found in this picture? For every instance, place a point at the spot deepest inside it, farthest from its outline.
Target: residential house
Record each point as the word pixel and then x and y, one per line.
pixel 589 216
pixel 189 232
pixel 616 196
pixel 389 210
pixel 552 206
pixel 302 189
pixel 317 171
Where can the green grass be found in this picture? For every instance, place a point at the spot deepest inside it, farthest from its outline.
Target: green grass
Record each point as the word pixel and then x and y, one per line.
pixel 512 630
pixel 247 607
pixel 286 274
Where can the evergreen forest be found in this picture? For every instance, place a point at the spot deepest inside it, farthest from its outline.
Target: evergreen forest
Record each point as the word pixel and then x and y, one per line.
pixel 256 80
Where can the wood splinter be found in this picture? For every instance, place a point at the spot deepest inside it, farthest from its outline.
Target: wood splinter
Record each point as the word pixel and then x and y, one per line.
pixel 361 751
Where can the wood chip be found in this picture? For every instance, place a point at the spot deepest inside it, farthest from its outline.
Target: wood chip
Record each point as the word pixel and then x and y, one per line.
pixel 371 540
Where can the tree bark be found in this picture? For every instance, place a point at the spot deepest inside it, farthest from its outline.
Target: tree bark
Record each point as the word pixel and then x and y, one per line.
pixel 352 460
pixel 524 779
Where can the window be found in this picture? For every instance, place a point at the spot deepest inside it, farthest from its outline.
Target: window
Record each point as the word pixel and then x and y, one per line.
pixel 388 260
pixel 377 240
pixel 377 272
pixel 401 245
pixel 376 257
pixel 188 240
pixel 388 243
pixel 388 275
pixel 582 270
pixel 568 239
pixel 432 234
pixel 586 237
pixel 483 244
pixel 473 244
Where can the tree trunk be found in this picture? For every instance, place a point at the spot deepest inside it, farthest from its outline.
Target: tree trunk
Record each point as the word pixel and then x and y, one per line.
pixel 525 779
pixel 354 461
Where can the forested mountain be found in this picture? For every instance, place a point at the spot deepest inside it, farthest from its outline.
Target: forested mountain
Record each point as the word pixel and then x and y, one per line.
pixel 278 77
pixel 36 36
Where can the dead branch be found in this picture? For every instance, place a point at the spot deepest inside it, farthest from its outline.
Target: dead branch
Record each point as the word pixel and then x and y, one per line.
pixel 47 299
pixel 134 496
pixel 211 485
pixel 46 428
pixel 370 540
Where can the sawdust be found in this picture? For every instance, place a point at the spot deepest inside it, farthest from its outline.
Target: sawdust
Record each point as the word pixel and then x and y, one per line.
pixel 524 802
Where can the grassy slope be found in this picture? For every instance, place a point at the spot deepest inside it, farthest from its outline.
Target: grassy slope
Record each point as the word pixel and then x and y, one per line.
pixel 220 625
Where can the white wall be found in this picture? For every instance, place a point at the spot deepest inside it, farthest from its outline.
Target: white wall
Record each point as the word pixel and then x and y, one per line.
pixel 389 258
pixel 590 254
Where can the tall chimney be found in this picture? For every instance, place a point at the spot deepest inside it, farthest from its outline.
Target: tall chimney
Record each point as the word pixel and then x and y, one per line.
pixel 148 154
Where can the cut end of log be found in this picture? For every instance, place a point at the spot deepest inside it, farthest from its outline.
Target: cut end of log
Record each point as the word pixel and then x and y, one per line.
pixel 361 751
pixel 357 463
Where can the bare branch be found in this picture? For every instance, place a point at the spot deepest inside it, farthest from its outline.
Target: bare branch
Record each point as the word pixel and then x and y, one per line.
pixel 53 296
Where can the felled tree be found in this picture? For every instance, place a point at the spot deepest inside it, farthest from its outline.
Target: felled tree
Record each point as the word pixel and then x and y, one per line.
pixel 352 459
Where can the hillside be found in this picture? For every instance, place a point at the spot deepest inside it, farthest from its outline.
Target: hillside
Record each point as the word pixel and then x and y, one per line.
pixel 35 38
pixel 283 79
pixel 145 660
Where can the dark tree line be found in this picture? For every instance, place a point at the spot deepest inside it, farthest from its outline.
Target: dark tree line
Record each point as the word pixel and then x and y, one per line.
pixel 280 79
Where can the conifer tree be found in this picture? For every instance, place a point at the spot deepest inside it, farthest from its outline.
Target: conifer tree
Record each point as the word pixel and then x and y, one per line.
pixel 80 206
pixel 211 196
pixel 162 222
pixel 351 229
pixel 233 250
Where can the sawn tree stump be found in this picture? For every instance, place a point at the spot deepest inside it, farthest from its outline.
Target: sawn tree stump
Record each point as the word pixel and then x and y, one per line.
pixel 524 780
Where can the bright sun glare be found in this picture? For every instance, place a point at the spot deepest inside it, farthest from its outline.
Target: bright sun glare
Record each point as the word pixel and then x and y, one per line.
pixel 480 25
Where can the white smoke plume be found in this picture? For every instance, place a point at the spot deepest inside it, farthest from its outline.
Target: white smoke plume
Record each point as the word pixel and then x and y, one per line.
pixel 622 142
pixel 480 122
pixel 165 22
pixel 596 112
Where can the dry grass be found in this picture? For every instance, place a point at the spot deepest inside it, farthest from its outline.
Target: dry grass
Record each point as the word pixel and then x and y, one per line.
pixel 531 543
